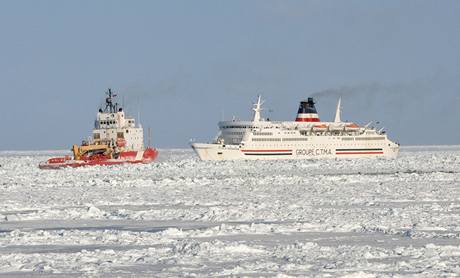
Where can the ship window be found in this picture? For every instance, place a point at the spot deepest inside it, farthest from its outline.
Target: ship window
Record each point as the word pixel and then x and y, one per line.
pixel 127 131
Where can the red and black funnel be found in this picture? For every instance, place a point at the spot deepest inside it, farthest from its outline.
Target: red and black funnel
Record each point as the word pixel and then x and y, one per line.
pixel 307 112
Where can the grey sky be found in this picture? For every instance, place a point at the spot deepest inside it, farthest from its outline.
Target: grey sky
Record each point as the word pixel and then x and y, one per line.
pixel 182 64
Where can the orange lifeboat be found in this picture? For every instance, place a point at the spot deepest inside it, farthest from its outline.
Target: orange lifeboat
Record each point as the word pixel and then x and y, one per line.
pixel 320 127
pixel 352 126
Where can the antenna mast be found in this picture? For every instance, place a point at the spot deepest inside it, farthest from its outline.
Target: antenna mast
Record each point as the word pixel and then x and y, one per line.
pixel 138 112
pixel 338 112
pixel 149 143
pixel 110 106
pixel 257 109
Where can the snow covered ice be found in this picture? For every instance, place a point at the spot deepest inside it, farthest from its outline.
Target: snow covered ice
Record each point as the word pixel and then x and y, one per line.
pixel 184 217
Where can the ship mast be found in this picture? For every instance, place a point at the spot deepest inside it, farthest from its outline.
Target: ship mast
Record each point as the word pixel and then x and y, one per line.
pixel 257 109
pixel 110 106
pixel 338 112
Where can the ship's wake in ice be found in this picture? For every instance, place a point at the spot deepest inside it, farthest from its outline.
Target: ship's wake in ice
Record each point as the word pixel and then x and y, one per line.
pixel 184 217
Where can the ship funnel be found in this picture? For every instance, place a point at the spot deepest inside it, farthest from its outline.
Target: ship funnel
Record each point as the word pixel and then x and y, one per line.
pixel 307 112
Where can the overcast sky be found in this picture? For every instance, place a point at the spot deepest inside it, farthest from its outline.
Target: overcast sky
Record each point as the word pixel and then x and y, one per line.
pixel 182 65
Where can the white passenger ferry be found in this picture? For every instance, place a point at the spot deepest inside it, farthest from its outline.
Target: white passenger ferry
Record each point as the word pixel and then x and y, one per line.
pixel 305 138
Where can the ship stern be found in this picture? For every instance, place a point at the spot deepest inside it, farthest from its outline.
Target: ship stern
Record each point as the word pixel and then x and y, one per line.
pixel 393 149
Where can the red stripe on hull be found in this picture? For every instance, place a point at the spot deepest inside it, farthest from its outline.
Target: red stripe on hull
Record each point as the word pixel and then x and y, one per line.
pixel 360 153
pixel 129 157
pixel 264 151
pixel 307 119
pixel 128 154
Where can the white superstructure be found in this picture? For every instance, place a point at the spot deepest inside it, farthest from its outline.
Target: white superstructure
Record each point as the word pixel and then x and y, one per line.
pixel 305 138
pixel 113 127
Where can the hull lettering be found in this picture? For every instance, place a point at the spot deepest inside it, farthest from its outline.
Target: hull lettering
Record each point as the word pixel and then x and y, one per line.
pixel 313 152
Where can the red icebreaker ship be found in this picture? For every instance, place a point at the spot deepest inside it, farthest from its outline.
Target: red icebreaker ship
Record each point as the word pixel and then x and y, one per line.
pixel 116 139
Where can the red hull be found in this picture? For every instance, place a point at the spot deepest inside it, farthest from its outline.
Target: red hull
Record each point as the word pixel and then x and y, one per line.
pixel 130 157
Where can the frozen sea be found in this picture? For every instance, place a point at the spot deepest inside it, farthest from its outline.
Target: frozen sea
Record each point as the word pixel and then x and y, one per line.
pixel 184 217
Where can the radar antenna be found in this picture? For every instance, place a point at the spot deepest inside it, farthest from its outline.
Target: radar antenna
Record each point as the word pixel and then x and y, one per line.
pixel 110 106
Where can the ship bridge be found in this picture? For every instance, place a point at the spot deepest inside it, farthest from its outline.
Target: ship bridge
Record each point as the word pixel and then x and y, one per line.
pixel 113 127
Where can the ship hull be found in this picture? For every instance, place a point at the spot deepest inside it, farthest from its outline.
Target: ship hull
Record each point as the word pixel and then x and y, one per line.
pixel 216 152
pixel 130 157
